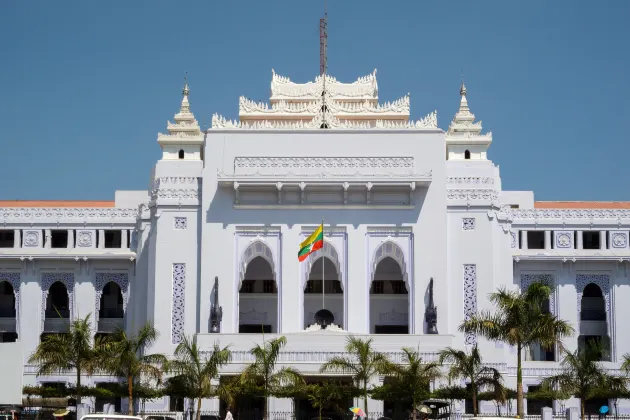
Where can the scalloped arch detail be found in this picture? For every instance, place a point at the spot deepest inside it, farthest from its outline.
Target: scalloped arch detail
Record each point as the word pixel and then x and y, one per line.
pixel 257 248
pixel 392 250
pixel 329 251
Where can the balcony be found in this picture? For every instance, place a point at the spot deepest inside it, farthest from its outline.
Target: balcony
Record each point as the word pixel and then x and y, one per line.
pixel 593 327
pixel 110 325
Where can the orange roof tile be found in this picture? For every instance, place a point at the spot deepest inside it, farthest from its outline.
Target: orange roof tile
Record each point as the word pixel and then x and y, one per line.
pixel 56 204
pixel 582 204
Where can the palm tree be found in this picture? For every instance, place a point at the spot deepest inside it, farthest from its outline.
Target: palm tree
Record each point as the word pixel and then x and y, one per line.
pixel 197 370
pixel 64 352
pixel 520 321
pixel 124 356
pixel 327 395
pixel 625 366
pixel 262 372
pixel 363 364
pixel 470 367
pixel 583 376
pixel 412 378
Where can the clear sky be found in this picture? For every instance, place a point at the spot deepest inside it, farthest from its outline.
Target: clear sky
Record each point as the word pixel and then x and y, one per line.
pixel 85 86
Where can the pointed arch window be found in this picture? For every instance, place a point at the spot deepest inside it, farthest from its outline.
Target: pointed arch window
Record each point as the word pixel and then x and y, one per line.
pixel 467 154
pixel 181 154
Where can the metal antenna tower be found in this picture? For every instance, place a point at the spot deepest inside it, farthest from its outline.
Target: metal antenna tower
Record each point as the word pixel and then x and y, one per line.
pixel 323 58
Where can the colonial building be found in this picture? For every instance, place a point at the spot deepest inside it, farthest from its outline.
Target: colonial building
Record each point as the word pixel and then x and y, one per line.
pixel 418 231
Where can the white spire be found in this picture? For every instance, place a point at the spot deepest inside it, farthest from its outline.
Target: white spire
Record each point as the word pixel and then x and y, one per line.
pixel 185 131
pixel 464 140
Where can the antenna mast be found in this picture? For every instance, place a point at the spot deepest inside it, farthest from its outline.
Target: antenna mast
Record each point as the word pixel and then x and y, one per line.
pixel 323 65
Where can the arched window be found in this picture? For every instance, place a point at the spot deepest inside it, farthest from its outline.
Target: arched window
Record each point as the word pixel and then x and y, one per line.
pixel 181 154
pixel 258 298
pixel 467 154
pixel 7 300
pixel 57 304
pixel 593 328
pixel 111 302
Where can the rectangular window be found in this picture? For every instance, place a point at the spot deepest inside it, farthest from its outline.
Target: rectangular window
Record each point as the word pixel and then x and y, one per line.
pixel 535 239
pixel 113 239
pixel 7 238
pixel 391 329
pixel 254 329
pixel 58 238
pixel 590 240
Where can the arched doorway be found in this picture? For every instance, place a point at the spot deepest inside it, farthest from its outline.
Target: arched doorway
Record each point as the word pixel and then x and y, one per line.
pixel 389 299
pixel 258 292
pixel 8 313
pixel 593 321
pixel 323 273
pixel 389 292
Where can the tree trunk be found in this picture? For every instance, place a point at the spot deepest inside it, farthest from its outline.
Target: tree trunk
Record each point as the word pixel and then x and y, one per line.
pixel 78 396
pixel 199 408
pixel 519 382
pixel 320 411
pixel 365 398
pixel 473 388
pixel 130 391
pixel 582 408
pixel 265 414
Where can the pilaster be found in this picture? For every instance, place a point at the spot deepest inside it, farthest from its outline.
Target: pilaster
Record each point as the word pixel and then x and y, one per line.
pixel 524 239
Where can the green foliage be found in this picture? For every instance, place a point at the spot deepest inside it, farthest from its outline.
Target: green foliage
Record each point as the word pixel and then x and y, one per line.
pixel 112 390
pixel 519 320
pixel 363 364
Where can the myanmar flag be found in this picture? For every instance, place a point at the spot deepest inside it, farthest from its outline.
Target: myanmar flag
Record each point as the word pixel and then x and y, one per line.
pixel 312 243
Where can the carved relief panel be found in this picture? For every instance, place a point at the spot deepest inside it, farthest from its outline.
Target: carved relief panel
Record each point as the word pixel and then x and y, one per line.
pixel 32 239
pixel 563 239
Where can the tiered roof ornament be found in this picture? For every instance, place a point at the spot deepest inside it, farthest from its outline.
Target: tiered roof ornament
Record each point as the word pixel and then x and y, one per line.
pixel 325 102
pixel 185 130
pixel 463 138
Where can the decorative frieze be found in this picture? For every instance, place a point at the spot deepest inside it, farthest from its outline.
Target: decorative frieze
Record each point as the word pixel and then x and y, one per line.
pixel 470 180
pixel 470 298
pixel 66 215
pixel 101 280
pixel 253 316
pixel 364 87
pixel 276 163
pixel 472 194
pixel 179 289
pixel 568 214
pixel 180 189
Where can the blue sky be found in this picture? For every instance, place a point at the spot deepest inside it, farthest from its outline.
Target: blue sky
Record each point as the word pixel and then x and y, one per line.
pixel 86 86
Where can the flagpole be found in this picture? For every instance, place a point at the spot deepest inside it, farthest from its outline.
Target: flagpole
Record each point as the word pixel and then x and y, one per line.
pixel 323 261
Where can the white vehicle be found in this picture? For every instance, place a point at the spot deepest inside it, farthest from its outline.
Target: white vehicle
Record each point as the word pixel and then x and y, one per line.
pixel 97 416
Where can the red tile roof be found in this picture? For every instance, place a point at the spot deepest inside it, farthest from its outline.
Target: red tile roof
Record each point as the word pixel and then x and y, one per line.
pixel 582 204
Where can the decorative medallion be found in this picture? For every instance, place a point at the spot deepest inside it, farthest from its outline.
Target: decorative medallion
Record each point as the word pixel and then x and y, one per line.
pixel 180 223
pixel 31 239
pixel 564 240
pixel 468 223
pixel 84 239
pixel 619 239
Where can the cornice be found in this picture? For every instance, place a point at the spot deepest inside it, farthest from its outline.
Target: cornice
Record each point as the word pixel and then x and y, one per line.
pixel 567 214
pixel 67 215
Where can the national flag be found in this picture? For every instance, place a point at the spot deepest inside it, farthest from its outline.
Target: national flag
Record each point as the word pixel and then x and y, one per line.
pixel 314 242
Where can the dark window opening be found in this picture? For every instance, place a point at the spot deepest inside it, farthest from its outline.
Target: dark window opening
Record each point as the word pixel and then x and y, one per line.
pixel 468 405
pixel 113 239
pixel 8 337
pixel 7 238
pixel 7 300
pixel 259 286
pixel 176 403
pixel 58 238
pixel 597 346
pixel 592 406
pixel 467 154
pixel 535 239
pixel 514 206
pixel 391 329
pixel 111 302
pixel 129 233
pixel 388 287
pixel 57 302
pixel 590 240
pixel 254 329
pixel 315 286
pixel 181 154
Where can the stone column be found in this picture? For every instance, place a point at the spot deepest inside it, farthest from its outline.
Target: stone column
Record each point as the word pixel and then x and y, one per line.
pixel 47 237
pixel 547 239
pixel 580 240
pixel 70 239
pixel 123 239
pixel 17 238
pixel 101 239
pixel 523 239
pixel 602 239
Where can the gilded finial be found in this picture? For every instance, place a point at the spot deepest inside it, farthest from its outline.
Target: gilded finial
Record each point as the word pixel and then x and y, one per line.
pixel 186 90
pixel 462 89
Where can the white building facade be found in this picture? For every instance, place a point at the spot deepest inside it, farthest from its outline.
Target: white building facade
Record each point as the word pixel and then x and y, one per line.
pixel 211 250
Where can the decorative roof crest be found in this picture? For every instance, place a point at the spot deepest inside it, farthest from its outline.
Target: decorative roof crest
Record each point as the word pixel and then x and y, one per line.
pixel 185 125
pixel 463 124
